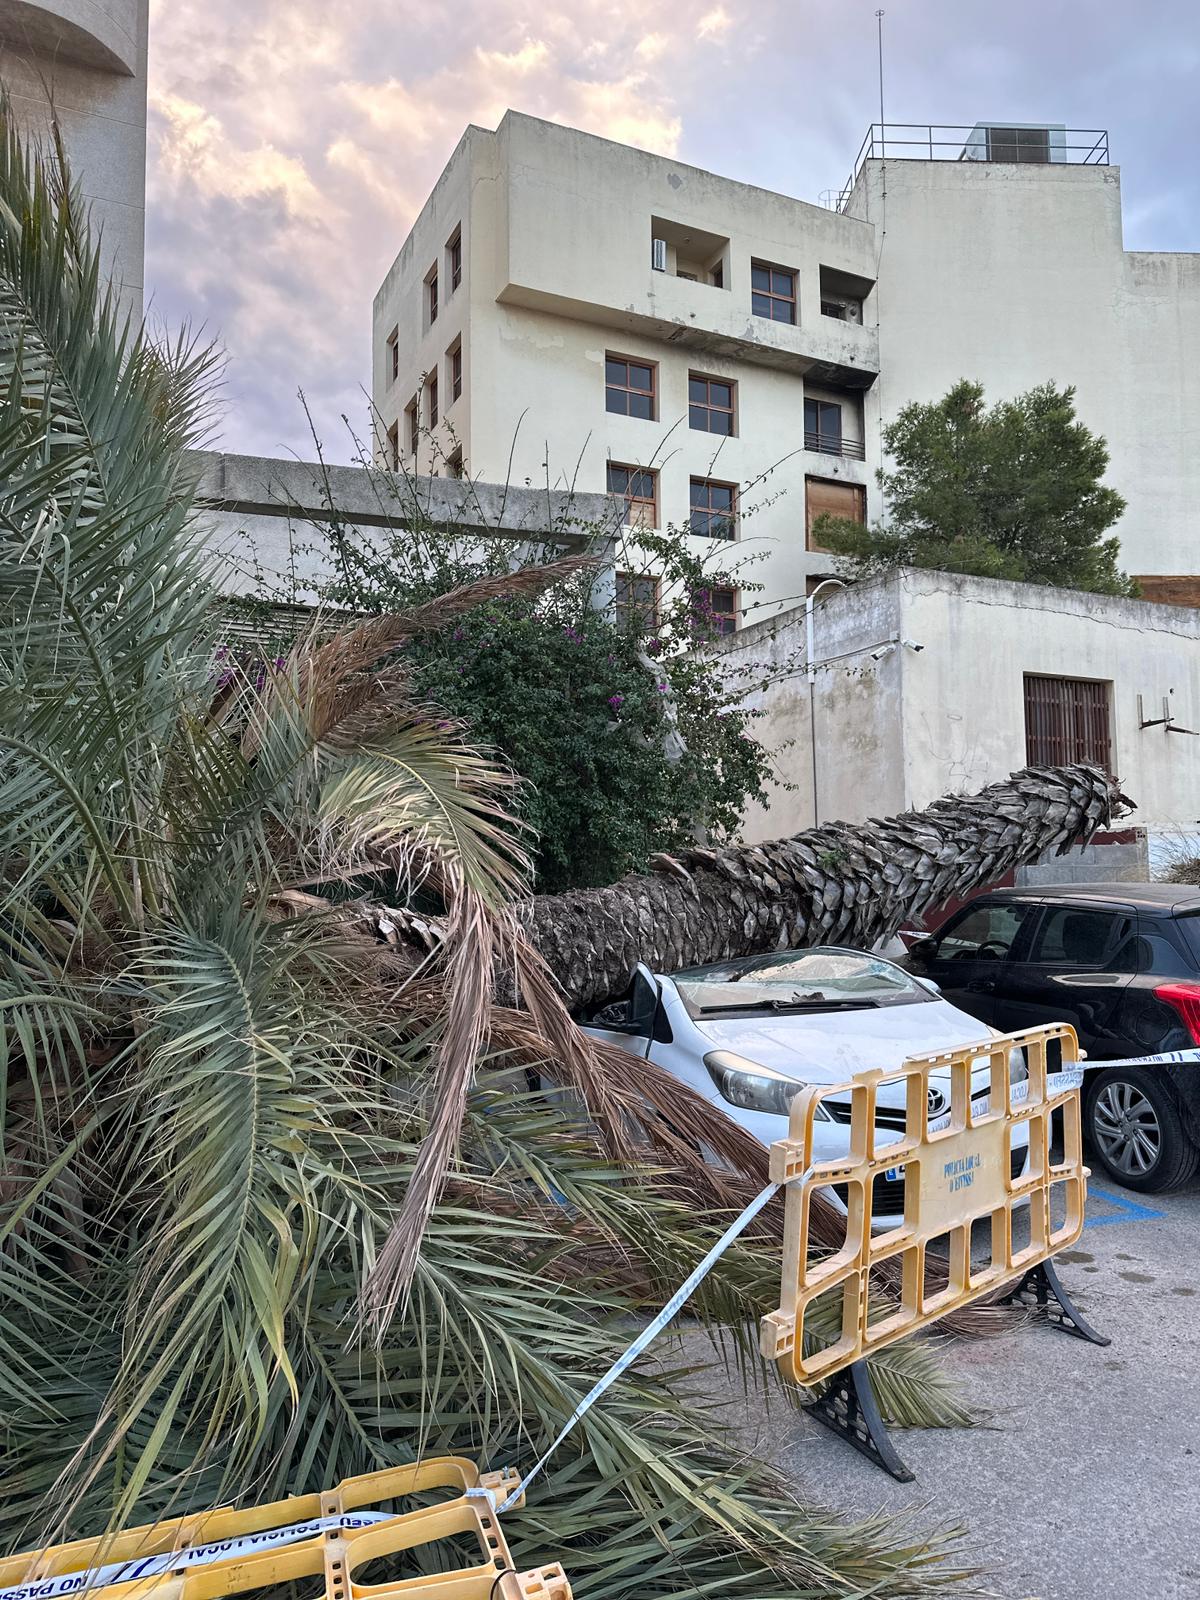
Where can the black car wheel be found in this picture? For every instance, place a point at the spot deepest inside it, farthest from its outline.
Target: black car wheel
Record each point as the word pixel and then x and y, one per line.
pixel 1137 1131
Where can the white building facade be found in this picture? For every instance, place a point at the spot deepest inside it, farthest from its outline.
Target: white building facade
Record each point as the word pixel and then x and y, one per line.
pixel 573 312
pixel 576 313
pixel 932 683
pixel 84 61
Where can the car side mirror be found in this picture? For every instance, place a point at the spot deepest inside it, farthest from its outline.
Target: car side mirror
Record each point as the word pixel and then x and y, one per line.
pixel 923 949
pixel 929 985
pixel 645 998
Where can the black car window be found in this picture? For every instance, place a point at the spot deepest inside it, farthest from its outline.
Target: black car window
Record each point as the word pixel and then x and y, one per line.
pixel 1079 936
pixel 984 933
pixel 1188 923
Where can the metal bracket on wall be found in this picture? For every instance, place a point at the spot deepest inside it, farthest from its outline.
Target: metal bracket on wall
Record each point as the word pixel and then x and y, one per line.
pixel 1166 722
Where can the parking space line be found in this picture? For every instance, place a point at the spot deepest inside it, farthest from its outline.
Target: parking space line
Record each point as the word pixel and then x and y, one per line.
pixel 1127 1210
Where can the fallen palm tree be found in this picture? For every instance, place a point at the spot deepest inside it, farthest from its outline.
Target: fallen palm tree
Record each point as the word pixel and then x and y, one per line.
pixel 232 1086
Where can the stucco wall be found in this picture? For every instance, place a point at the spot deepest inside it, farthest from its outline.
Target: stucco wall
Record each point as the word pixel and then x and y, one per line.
pixel 558 229
pixel 900 731
pixel 1015 275
pixel 88 59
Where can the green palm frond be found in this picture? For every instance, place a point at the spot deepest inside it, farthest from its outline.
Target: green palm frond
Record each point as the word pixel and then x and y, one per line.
pixel 218 1127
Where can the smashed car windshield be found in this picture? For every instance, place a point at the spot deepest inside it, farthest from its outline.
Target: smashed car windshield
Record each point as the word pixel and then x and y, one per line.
pixel 797 976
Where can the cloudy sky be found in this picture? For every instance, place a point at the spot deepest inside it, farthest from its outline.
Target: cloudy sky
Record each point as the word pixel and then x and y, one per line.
pixel 292 142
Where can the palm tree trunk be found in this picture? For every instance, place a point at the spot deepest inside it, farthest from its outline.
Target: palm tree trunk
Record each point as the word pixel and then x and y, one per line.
pixel 833 884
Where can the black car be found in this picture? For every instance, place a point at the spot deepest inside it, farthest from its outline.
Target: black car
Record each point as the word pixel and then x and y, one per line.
pixel 1121 963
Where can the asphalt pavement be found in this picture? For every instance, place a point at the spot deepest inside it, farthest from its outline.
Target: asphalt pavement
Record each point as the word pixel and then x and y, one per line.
pixel 1084 1481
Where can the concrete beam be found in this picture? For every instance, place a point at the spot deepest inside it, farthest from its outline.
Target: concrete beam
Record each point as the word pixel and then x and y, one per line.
pixel 262 486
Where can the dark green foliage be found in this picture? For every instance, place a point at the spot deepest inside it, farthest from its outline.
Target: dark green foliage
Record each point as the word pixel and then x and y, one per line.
pixel 577 697
pixel 1008 491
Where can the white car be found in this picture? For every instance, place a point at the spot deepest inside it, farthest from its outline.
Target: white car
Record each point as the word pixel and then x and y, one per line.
pixel 748 1034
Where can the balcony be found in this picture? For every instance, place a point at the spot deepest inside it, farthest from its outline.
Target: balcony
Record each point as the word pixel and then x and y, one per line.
pixel 826 444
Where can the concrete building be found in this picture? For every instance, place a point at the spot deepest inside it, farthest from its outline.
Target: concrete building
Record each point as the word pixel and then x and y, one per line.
pixel 927 683
pixel 572 311
pixel 601 317
pixel 85 62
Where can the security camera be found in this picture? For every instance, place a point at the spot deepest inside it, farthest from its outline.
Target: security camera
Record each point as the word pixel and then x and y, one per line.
pixel 884 650
pixel 911 644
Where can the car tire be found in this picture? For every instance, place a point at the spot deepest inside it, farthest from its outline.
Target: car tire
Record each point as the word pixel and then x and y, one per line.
pixel 1137 1133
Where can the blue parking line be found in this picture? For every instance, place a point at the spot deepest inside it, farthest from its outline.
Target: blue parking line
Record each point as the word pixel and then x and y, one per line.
pixel 1128 1210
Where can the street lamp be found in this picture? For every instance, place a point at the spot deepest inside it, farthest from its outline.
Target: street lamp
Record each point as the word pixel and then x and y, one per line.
pixel 809 606
pixel 811 655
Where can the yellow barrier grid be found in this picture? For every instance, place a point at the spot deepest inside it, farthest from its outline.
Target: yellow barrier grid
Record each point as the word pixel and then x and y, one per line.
pixel 954 1176
pixel 360 1527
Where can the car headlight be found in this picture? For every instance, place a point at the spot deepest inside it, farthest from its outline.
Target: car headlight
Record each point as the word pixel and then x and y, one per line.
pixel 752 1086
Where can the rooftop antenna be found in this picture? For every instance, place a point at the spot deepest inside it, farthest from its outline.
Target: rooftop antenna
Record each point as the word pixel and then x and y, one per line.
pixel 882 125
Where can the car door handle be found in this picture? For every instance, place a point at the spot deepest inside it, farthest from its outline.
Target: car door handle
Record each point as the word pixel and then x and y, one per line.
pixel 981 986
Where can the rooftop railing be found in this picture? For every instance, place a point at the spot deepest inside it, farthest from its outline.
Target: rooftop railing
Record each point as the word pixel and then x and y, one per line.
pixel 998 143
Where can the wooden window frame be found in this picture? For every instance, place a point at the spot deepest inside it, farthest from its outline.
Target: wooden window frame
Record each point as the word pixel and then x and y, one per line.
pixel 412 415
pixel 454 370
pixel 393 447
pixel 431 399
pixel 710 407
pixel 627 388
pixel 1067 721
pixel 709 511
pixel 624 606
pixel 632 500
pixel 857 489
pixel 431 296
pixel 773 296
pixel 393 356
pixel 454 258
pixel 732 615
pixel 455 467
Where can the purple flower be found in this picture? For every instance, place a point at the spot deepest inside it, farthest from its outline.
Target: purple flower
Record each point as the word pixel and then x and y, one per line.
pixel 616 701
pixel 222 652
pixel 458 635
pixel 278 663
pixel 662 688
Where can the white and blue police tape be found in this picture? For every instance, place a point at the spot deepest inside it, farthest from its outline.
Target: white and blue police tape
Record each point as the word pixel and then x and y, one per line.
pixel 174 1561
pixel 625 1361
pixel 1168 1058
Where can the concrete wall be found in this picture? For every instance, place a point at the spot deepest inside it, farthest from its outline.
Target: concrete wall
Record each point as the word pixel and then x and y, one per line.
pixel 87 60
pixel 558 229
pixel 900 731
pixel 1016 275
pixel 264 516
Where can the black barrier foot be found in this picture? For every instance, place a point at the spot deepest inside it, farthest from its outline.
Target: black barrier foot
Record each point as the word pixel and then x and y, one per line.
pixel 848 1407
pixel 1042 1287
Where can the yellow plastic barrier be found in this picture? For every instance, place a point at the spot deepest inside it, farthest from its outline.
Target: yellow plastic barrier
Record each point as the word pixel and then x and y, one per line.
pixel 336 1552
pixel 953 1176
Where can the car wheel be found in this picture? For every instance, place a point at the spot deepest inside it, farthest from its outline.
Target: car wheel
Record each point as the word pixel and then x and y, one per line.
pixel 1137 1131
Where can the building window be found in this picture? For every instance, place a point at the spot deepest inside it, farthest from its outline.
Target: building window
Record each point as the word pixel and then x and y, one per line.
pixel 638 488
pixel 713 509
pixel 772 292
pixel 716 609
pixel 1067 721
pixel 454 259
pixel 629 387
pixel 454 464
pixel 431 295
pixel 637 600
pixel 454 370
pixel 710 404
pixel 393 447
pixel 412 425
pixel 825 497
pixel 393 355
pixel 823 427
pixel 431 393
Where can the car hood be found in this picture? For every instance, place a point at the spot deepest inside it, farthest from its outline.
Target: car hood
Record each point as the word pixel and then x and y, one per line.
pixel 831 1046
